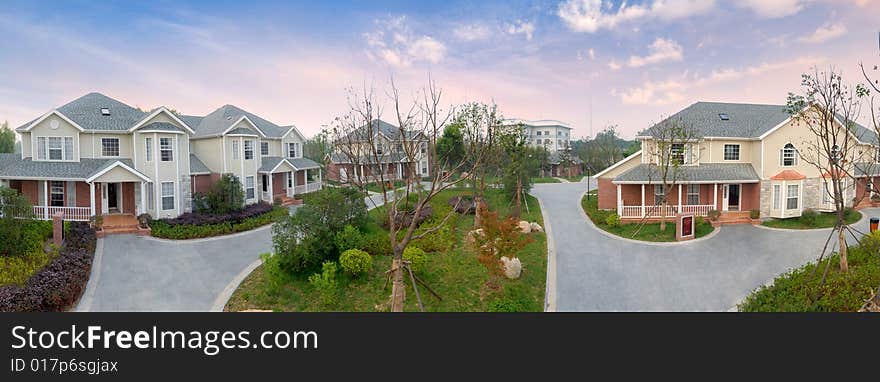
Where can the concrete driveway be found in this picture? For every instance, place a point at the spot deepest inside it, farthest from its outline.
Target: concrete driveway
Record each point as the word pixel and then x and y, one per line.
pixel 595 272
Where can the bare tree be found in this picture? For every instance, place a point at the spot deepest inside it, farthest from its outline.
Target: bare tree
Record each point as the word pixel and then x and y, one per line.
pixel 674 144
pixel 420 123
pixel 829 108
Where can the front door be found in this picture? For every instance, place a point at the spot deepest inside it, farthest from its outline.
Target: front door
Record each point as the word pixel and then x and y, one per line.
pixel 725 192
pixel 113 197
pixel 733 197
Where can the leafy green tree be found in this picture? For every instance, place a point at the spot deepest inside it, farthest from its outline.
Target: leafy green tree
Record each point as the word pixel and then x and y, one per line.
pixel 318 147
pixel 14 212
pixel 7 139
pixel 516 175
pixel 226 195
pixel 450 146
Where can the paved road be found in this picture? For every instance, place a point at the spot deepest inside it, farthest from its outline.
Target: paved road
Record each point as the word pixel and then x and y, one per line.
pixel 599 273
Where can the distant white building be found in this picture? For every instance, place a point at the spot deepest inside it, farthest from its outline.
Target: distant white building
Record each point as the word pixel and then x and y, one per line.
pixel 547 133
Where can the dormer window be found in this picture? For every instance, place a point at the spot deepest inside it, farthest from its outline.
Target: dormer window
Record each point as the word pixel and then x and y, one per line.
pixel 105 111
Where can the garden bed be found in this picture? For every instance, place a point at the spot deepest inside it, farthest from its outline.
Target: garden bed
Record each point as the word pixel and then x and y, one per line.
pixel 57 286
pixel 546 179
pixel 196 225
pixel 646 232
pixel 17 268
pixel 820 220
pixel 452 271
pixel 797 291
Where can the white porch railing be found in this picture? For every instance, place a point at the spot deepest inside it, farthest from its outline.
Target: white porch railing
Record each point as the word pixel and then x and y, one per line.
pixel 70 213
pixel 306 188
pixel 629 212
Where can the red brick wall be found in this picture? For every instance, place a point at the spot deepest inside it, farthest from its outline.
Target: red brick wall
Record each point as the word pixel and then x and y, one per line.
pixel 202 183
pixel 128 198
pixel 278 184
pixel 631 194
pixel 30 188
pixel 98 210
pixel 607 194
pixel 750 196
pixel 82 194
pixel 300 178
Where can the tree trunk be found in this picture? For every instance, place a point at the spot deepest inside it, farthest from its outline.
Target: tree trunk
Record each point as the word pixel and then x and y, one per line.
pixel 398 287
pixel 665 207
pixel 844 265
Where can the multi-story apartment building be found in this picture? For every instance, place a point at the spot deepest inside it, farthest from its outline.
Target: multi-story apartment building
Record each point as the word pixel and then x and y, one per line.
pixel 746 158
pixel 555 137
pixel 367 153
pixel 98 156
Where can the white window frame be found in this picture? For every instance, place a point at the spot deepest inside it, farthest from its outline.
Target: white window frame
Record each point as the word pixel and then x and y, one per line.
pixel 166 148
pixel 264 149
pixel 60 148
pixel 692 193
pixel 56 188
pixel 661 194
pixel 734 149
pixel 826 198
pixel 166 196
pixel 235 151
pixel 292 150
pixel 250 188
pixel 104 141
pixel 777 196
pixel 248 149
pixel 788 153
pixel 789 197
pixel 148 149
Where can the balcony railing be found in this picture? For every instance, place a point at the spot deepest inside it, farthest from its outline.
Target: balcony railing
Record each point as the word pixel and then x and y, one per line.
pixel 630 212
pixel 306 188
pixel 70 213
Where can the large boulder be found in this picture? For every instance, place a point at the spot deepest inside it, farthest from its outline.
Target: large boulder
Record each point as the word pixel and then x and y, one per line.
pixel 512 267
pixel 524 226
pixel 405 218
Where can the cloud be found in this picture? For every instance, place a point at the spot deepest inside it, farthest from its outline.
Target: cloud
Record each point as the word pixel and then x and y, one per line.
pixel 613 65
pixel 592 54
pixel 522 27
pixel 773 8
pixel 651 92
pixel 593 15
pixel 396 44
pixel 472 32
pixel 824 33
pixel 661 50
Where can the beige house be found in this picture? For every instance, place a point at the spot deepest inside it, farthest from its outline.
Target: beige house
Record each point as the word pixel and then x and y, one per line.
pixel 746 158
pixel 379 152
pixel 98 156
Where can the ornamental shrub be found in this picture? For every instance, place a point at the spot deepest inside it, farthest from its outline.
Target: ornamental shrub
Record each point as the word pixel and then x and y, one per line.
pixel 809 216
pixel 417 257
pixel 349 238
pixel 355 262
pixel 713 215
pixel 755 214
pixel 612 220
pixel 378 244
pixel 325 283
pixel 226 195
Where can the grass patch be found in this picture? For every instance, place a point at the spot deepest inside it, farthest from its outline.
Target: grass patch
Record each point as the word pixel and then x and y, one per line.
pixel 453 272
pixel 373 187
pixel 648 232
pixel 822 220
pixel 796 291
pixel 575 179
pixel 546 179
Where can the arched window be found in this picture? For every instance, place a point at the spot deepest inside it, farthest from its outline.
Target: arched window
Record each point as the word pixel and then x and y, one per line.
pixel 788 156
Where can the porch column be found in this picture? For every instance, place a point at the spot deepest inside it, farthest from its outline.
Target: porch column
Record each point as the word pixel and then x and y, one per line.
pixel 679 198
pixel 399 171
pixel 643 200
pixel 619 201
pixel 143 197
pixel 320 178
pixel 46 199
pixel 715 196
pixel 271 190
pixel 92 198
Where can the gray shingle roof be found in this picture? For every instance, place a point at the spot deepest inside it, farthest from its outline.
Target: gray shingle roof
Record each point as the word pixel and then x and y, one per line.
pixel 196 166
pixel 709 172
pixel 303 163
pixel 866 169
pixel 269 163
pixel 86 112
pixel 555 158
pixel 15 167
pixel 368 159
pixel 221 119
pixel 745 120
pixel 243 131
pixel 378 125
pixel 161 126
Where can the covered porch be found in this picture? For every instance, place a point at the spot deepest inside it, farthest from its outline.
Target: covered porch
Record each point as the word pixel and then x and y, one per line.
pixel 285 178
pixel 638 201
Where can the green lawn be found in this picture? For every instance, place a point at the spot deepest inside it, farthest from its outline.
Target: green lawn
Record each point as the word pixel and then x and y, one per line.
pixel 797 291
pixel 455 274
pixel 576 178
pixel 648 232
pixel 373 187
pixel 546 179
pixel 822 220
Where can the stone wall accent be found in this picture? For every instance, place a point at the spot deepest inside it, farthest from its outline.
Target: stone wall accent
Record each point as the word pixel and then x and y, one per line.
pixel 185 193
pixel 766 197
pixel 812 193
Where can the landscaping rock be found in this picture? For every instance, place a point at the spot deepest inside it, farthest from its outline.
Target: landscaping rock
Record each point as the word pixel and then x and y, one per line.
pixel 512 267
pixel 471 238
pixel 525 227
pixel 537 227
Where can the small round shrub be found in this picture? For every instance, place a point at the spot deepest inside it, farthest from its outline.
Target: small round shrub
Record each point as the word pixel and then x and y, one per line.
pixel 417 257
pixel 378 244
pixel 355 262
pixel 713 215
pixel 349 238
pixel 809 216
pixel 755 214
pixel 613 220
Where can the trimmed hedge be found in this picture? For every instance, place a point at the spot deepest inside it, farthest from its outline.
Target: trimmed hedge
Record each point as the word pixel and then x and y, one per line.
pixel 56 287
pixel 197 225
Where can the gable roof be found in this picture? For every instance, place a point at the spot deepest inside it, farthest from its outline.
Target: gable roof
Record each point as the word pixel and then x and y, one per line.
pixel 12 166
pixel 219 121
pixel 744 120
pixel 196 166
pixel 85 111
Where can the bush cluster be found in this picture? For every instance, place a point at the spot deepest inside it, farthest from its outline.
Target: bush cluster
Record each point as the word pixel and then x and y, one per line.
pixel 202 218
pixel 417 257
pixel 57 286
pixel 612 220
pixel 809 216
pixel 176 230
pixel 325 283
pixel 355 262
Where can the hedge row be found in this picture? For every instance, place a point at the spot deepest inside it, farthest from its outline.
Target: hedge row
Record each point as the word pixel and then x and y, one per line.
pixel 56 287
pixel 177 231
pixel 199 218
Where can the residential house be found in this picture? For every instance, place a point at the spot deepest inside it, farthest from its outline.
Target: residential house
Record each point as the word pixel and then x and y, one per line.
pixel 554 137
pixel 365 154
pixel 99 156
pixel 746 158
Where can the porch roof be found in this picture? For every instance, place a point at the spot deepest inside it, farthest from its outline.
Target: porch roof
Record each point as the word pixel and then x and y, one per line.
pixel 703 173
pixel 12 166
pixel 271 164
pixel 196 166
pixel 866 169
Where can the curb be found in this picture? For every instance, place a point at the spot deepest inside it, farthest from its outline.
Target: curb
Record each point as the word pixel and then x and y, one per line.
pixel 224 296
pixel 864 216
pixel 85 302
pixel 212 238
pixel 550 288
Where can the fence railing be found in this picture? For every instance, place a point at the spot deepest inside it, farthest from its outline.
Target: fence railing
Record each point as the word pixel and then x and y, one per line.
pixel 70 213
pixel 306 188
pixel 661 211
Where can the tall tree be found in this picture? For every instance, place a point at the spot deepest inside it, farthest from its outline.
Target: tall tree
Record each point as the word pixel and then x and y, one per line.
pixel 318 147
pixel 7 139
pixel 450 146
pixel 672 146
pixel 828 107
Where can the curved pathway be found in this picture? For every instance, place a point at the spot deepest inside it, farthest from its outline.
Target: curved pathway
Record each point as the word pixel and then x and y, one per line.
pixel 597 273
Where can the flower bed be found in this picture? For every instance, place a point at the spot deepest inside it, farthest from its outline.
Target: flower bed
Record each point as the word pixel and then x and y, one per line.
pixel 196 225
pixel 58 285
